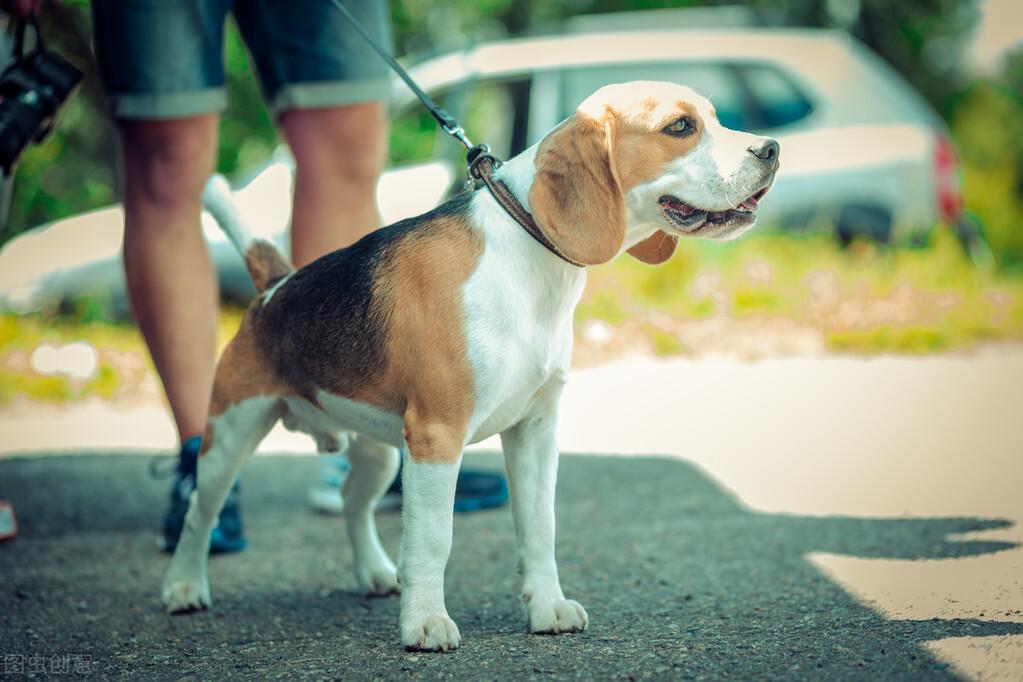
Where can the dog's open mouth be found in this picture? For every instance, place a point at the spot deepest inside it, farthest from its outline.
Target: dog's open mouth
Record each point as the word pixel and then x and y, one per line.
pixel 689 218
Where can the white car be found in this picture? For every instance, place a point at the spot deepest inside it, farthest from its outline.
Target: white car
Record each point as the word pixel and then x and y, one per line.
pixel 861 152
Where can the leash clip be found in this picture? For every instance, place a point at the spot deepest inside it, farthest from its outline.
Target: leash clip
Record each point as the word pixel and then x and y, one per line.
pixel 474 160
pixel 458 132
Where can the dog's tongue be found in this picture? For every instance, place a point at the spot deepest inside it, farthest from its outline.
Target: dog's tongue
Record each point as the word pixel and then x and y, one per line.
pixel 676 204
pixel 684 209
pixel 750 203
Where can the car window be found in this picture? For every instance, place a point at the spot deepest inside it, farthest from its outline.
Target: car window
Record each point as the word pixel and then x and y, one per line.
pixel 497 113
pixel 717 82
pixel 776 100
pixel 492 111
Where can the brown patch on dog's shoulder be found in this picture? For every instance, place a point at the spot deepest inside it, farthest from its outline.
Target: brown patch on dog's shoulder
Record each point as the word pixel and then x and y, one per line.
pixel 427 376
pixel 242 372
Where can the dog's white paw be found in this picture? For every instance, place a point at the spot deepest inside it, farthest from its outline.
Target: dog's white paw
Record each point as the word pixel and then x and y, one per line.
pixel 183 596
pixel 378 582
pixel 377 576
pixel 560 615
pixel 436 632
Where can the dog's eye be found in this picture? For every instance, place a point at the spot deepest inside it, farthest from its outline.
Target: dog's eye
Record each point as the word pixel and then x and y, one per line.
pixel 680 128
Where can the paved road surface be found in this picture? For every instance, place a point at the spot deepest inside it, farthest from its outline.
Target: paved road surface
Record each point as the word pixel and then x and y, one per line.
pixel 813 518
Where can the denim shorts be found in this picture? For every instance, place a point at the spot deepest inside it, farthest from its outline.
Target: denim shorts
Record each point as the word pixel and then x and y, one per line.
pixel 163 59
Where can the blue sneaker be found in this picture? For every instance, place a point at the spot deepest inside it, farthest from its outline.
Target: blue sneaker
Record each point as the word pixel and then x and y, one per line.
pixel 227 536
pixel 474 491
pixel 325 492
pixel 478 490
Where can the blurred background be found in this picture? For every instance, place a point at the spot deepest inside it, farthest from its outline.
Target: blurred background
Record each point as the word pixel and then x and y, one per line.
pixel 896 225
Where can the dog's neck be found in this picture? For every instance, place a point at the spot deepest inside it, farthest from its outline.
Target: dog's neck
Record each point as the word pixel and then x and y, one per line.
pixel 518 174
pixel 555 283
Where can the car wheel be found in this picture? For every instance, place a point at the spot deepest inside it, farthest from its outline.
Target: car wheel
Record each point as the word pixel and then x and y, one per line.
pixel 870 222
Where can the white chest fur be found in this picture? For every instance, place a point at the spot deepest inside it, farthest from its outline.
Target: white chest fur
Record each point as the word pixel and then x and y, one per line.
pixel 518 311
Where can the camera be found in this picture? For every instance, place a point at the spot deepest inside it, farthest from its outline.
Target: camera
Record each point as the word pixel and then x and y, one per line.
pixel 32 90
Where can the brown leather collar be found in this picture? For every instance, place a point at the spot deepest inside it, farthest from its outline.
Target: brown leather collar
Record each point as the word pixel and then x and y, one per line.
pixel 482 166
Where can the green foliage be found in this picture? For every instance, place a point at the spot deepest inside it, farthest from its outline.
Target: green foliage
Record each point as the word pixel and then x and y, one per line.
pixel 664 343
pixel 988 124
pixel 864 299
pixel 247 133
pixel 86 321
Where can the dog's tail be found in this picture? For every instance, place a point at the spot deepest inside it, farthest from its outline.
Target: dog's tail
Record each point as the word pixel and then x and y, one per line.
pixel 265 263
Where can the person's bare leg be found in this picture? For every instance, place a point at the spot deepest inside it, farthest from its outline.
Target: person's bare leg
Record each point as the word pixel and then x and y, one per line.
pixel 339 154
pixel 171 282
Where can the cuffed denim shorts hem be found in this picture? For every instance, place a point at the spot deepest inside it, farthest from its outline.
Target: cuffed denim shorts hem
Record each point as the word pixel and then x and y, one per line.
pixel 313 95
pixel 169 105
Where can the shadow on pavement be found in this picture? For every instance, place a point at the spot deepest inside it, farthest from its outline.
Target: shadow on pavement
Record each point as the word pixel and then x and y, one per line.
pixel 679 578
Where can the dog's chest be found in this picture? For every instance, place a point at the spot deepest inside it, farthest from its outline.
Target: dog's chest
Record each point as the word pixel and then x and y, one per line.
pixel 508 384
pixel 519 339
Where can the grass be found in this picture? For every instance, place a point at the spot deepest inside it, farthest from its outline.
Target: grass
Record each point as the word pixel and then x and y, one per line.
pixel 123 366
pixel 865 299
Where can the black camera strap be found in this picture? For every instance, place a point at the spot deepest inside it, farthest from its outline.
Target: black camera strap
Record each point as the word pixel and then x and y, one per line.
pixel 19 36
pixel 32 89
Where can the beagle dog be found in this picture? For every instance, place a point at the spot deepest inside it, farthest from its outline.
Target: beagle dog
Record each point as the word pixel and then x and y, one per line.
pixel 445 329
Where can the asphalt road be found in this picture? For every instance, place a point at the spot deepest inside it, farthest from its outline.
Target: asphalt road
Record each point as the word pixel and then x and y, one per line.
pixel 680 579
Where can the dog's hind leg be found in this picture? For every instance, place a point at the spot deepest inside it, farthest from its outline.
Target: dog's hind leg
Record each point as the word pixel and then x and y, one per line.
pixel 374 466
pixel 233 437
pixel 244 406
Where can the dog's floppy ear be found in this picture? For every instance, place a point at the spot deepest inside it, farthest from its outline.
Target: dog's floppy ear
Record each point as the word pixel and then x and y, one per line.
pixel 576 197
pixel 656 248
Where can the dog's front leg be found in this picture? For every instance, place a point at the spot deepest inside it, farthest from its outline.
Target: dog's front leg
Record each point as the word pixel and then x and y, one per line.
pixel 531 458
pixel 428 498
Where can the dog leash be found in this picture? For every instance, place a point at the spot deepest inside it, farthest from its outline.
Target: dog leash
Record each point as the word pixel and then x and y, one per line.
pixel 481 164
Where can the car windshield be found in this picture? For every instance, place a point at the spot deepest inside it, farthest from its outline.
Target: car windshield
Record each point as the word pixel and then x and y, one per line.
pixel 746 96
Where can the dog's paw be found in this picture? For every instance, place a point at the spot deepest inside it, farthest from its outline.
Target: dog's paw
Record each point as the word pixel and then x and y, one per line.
pixel 562 615
pixel 184 596
pixel 379 583
pixel 436 632
pixel 377 576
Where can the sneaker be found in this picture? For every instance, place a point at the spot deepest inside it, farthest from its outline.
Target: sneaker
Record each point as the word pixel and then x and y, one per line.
pixel 474 491
pixel 325 493
pixel 227 536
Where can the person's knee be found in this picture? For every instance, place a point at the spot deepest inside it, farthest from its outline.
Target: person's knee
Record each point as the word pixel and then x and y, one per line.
pixel 345 145
pixel 168 162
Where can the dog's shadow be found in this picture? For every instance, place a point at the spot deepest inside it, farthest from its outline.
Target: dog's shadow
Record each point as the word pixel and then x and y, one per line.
pixel 679 578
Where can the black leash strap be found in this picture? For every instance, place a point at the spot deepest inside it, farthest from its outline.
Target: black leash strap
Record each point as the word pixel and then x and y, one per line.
pixel 446 120
pixel 481 163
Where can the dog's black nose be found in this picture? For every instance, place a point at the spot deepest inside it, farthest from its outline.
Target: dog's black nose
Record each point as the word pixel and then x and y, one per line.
pixel 766 150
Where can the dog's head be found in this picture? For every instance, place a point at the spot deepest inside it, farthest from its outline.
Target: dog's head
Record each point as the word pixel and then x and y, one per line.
pixel 641 164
